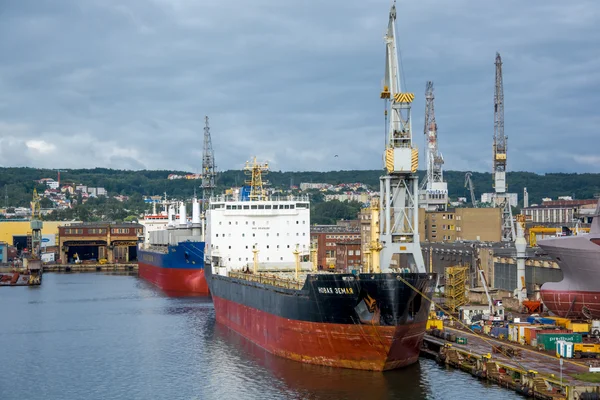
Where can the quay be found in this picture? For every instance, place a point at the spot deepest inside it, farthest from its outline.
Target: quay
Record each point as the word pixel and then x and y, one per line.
pixel 91 267
pixel 529 372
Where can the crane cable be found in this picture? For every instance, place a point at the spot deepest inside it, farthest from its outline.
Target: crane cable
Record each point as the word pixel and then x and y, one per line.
pixel 473 332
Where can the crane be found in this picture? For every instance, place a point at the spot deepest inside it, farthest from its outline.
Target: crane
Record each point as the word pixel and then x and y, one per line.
pixel 399 197
pixel 434 191
pixel 208 165
pixel 499 157
pixel 469 184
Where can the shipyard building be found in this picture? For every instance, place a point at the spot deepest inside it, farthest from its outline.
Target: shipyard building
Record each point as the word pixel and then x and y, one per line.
pixel 113 242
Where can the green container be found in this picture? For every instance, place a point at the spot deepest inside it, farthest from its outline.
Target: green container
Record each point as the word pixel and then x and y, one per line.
pixel 548 340
pixel 461 340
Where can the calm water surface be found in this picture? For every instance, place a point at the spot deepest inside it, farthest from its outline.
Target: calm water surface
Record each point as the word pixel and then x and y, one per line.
pixel 97 336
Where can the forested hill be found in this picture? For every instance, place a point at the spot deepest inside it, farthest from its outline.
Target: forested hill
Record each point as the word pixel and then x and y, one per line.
pixel 18 183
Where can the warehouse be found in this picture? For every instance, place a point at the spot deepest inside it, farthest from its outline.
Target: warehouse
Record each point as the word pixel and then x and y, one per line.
pixel 92 242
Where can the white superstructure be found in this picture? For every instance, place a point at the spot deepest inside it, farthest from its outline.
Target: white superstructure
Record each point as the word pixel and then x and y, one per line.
pixel 250 228
pixel 276 227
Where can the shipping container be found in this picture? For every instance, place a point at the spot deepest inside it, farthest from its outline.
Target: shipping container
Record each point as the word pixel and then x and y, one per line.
pixel 461 340
pixel 528 334
pixel 548 340
pixel 533 334
pixel 516 331
pixel 500 332
pixel 579 327
pixel 541 320
pixel 522 329
pixel 560 321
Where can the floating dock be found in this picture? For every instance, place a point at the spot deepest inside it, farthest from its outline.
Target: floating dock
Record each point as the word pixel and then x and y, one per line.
pixel 527 371
pixel 95 267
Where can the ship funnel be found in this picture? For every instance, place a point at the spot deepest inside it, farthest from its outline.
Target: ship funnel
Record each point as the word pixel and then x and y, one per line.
pixel 196 212
pixel 182 215
pixel 171 215
pixel 196 219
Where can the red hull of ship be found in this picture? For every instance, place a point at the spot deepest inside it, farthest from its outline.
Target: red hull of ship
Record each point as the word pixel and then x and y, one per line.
pixel 367 347
pixel 570 304
pixel 175 281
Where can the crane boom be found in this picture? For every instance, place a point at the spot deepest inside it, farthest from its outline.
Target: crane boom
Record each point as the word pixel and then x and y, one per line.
pixel 469 184
pixel 499 137
pixel 208 164
pixel 434 191
pixel 399 230
pixel 500 157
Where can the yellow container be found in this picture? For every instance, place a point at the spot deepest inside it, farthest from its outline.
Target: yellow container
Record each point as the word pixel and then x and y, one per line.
pixel 562 322
pixel 487 329
pixel 435 324
pixel 579 327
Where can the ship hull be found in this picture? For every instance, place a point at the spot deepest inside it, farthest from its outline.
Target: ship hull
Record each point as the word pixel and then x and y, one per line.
pixel 177 272
pixel 572 304
pixel 577 296
pixel 328 321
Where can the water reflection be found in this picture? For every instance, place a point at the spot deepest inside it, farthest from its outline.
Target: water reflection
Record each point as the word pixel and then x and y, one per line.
pixel 306 381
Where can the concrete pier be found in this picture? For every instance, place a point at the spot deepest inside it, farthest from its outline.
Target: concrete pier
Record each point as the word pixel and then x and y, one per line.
pixel 118 267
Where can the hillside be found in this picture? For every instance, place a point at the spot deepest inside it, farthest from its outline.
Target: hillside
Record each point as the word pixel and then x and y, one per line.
pixel 18 183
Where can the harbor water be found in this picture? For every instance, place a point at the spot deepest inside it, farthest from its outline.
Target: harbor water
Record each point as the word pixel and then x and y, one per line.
pixel 100 336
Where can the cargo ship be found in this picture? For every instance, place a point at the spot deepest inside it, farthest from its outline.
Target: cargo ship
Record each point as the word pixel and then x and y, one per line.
pixel 265 288
pixel 577 296
pixel 172 258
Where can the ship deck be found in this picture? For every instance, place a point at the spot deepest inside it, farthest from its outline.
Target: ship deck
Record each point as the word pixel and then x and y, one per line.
pixel 280 278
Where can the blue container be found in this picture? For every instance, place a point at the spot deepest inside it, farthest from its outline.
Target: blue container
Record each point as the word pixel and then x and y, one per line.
pixel 499 330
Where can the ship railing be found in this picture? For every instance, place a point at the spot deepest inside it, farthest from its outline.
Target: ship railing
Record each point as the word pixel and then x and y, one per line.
pixel 159 248
pixel 224 198
pixel 268 279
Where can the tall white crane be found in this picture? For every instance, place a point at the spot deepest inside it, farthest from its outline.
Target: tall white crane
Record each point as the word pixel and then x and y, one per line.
pixel 399 217
pixel 434 191
pixel 499 157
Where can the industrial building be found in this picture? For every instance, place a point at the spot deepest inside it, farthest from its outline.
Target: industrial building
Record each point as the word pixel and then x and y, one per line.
pixel 561 211
pixel 326 238
pixel 498 262
pixel 115 242
pixel 348 256
pixel 18 233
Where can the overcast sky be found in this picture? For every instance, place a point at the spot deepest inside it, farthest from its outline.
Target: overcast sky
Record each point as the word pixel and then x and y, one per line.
pixel 126 84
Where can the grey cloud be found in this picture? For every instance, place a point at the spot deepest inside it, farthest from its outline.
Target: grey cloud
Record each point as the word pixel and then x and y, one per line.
pixel 127 85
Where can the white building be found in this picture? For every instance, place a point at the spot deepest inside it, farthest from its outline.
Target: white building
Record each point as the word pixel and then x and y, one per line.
pixel 513 198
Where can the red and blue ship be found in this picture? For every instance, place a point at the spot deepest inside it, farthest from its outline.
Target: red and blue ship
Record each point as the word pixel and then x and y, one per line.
pixel 172 257
pixel 178 269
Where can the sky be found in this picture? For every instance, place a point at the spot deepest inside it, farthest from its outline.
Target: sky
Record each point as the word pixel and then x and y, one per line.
pixel 127 84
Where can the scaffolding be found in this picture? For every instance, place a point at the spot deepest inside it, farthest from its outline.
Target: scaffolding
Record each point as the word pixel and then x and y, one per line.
pixel 456 280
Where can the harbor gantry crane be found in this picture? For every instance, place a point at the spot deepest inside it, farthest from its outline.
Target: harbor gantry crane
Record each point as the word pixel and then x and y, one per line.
pixel 469 184
pixel 434 191
pixel 399 200
pixel 500 156
pixel 208 165
pixel 34 262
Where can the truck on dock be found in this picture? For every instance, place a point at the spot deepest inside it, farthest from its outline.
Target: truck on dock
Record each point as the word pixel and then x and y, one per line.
pixel 586 350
